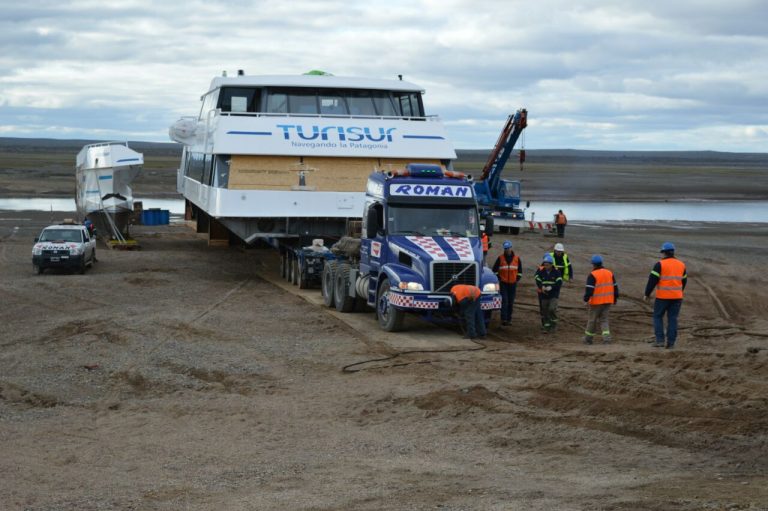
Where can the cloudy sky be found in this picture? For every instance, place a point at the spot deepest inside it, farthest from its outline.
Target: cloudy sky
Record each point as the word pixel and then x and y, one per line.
pixel 606 75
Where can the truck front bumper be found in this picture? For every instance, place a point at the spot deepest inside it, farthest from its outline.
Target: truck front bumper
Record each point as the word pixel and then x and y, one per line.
pixel 57 261
pixel 425 302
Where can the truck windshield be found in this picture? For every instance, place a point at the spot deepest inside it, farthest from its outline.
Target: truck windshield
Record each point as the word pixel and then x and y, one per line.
pixel 432 221
pixel 61 235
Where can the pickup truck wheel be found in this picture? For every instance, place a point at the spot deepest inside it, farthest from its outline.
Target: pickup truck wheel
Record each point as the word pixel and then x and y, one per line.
pixel 327 282
pixel 390 318
pixel 81 268
pixel 342 300
pixel 37 269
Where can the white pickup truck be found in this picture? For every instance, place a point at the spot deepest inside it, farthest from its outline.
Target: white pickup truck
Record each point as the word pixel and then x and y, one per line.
pixel 67 245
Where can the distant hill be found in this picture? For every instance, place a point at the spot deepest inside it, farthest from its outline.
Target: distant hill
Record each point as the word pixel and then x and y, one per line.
pixel 54 145
pixel 667 158
pixel 473 156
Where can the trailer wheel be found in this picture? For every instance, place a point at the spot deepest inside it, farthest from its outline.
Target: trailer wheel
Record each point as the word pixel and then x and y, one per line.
pixel 341 298
pixel 327 284
pixel 283 264
pixel 503 229
pixel 514 230
pixel 390 318
pixel 296 270
pixel 288 266
pixel 303 276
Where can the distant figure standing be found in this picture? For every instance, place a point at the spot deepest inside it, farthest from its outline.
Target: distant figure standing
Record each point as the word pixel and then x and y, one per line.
pixel 486 245
pixel 509 270
pixel 548 282
pixel 669 277
pixel 600 293
pixel 89 225
pixel 467 299
pixel 560 222
pixel 561 262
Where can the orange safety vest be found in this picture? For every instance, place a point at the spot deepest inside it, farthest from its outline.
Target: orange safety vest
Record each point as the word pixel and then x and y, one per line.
pixel 604 292
pixel 560 219
pixel 508 271
pixel 670 285
pixel 463 291
pixel 484 239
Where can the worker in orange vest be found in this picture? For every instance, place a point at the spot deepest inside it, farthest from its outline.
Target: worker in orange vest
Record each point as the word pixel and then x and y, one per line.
pixel 601 292
pixel 560 223
pixel 669 277
pixel 467 299
pixel 486 245
pixel 509 271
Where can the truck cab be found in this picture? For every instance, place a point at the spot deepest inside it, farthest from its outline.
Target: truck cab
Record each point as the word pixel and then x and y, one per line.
pixel 67 245
pixel 420 236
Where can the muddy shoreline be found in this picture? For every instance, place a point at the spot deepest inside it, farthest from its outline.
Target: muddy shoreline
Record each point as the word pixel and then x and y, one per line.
pixel 182 376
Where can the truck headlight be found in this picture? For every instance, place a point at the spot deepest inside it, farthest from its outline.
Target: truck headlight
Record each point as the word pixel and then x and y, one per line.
pixel 37 250
pixel 491 288
pixel 411 286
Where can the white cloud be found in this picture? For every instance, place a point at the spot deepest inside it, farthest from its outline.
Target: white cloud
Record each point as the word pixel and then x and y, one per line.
pixel 688 74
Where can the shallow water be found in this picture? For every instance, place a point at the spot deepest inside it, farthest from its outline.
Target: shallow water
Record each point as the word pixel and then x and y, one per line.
pixel 541 211
pixel 175 206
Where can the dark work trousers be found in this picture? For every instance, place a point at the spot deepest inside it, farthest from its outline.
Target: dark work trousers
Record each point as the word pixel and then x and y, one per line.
pixel 561 230
pixel 508 292
pixel 548 308
pixel 672 309
pixel 472 316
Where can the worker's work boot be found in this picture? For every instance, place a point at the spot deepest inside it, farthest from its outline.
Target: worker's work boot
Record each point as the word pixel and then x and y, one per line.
pixel 607 339
pixel 587 339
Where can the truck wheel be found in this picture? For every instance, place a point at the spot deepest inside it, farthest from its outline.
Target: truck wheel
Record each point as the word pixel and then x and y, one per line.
pixel 81 268
pixel 514 230
pixel 503 229
pixel 390 318
pixel 344 302
pixel 37 269
pixel 327 284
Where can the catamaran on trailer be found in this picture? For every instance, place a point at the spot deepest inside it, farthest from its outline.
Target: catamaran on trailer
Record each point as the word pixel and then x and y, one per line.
pixel 104 173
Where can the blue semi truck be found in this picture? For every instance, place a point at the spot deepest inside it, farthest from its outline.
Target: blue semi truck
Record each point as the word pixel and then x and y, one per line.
pixel 420 235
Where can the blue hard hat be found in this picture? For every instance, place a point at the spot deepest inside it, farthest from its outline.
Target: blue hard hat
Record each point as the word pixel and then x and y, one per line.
pixel 548 259
pixel 667 247
pixel 507 244
pixel 597 259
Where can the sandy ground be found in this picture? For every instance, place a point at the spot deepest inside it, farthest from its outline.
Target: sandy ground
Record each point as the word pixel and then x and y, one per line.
pixel 189 377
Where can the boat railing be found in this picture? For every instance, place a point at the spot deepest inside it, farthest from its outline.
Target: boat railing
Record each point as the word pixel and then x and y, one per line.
pixel 328 116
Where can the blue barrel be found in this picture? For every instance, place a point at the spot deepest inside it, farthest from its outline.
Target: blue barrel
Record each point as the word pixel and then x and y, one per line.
pixel 146 217
pixel 165 217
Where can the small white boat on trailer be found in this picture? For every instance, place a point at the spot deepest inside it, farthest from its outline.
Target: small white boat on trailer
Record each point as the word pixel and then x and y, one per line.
pixel 104 172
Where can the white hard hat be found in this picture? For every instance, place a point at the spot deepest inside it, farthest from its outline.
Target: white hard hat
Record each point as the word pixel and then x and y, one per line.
pixel 559 247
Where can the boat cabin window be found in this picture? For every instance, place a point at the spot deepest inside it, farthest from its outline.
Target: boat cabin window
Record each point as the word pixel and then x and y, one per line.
pixel 343 102
pixel 333 104
pixel 239 99
pixel 409 104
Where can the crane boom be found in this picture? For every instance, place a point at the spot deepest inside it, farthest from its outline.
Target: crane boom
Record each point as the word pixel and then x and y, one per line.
pixel 514 127
pixel 499 199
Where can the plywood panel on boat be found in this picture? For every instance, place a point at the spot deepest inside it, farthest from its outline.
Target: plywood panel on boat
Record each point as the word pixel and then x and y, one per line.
pixel 323 174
